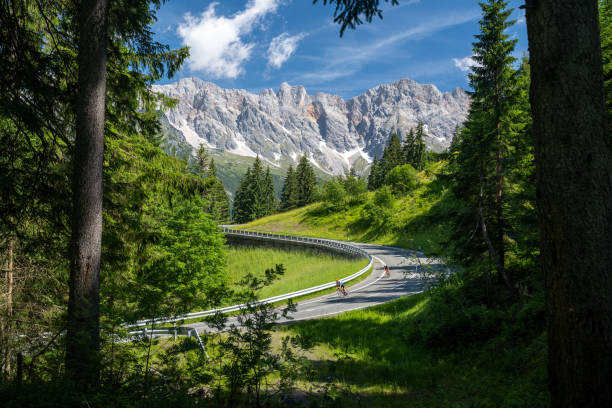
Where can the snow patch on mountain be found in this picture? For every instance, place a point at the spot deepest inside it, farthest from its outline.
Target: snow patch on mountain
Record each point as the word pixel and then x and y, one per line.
pixel 333 133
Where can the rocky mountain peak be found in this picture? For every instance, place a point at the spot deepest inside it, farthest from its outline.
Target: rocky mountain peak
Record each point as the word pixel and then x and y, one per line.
pixel 335 134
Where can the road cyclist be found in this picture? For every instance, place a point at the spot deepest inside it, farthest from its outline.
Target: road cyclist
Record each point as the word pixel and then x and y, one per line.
pixel 340 289
pixel 387 271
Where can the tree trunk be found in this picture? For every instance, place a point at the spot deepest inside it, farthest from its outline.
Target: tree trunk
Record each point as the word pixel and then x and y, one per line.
pixel 574 198
pixel 6 332
pixel 82 343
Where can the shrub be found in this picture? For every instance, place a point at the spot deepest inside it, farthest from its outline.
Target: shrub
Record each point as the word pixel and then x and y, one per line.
pixel 334 194
pixel 355 188
pixel 379 212
pixel 402 179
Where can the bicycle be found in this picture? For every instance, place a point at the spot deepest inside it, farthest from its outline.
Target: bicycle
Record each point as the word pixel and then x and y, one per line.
pixel 341 290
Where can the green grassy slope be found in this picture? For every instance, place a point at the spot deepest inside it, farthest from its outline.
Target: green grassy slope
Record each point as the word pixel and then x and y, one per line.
pixel 378 357
pixel 304 268
pixel 415 223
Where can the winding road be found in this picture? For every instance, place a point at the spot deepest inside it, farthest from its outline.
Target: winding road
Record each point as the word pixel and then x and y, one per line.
pixel 375 289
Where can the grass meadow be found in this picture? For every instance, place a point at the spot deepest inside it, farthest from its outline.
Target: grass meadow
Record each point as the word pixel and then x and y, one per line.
pixel 415 223
pixel 303 267
pixel 375 356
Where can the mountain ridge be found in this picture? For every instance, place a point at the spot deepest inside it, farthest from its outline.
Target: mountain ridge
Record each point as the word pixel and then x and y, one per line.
pixel 334 133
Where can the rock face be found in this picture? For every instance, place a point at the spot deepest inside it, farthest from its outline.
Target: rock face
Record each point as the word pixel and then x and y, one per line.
pixel 335 134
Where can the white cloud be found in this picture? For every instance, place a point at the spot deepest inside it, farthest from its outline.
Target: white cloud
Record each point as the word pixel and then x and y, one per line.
pixel 282 47
pixel 215 42
pixel 345 60
pixel 465 64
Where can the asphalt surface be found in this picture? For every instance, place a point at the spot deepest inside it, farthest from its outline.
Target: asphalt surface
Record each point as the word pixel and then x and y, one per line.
pixel 406 278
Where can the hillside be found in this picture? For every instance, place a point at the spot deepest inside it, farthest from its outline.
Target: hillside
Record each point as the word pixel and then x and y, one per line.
pixel 415 223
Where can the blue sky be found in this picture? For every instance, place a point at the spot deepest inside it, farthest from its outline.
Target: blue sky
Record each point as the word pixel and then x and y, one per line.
pixel 258 44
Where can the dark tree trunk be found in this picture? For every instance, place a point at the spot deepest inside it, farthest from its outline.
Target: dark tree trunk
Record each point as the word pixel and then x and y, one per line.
pixel 574 198
pixel 83 342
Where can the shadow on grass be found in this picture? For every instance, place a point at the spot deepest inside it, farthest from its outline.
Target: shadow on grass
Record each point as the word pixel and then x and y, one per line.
pixel 376 352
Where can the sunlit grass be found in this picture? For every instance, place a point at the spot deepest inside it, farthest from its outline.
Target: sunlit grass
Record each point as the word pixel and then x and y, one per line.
pixel 412 225
pixel 304 268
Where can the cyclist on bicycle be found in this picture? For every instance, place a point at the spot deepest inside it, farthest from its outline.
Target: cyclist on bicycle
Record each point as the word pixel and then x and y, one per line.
pixel 343 288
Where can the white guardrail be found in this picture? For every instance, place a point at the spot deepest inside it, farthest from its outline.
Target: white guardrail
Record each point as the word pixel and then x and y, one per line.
pixel 324 243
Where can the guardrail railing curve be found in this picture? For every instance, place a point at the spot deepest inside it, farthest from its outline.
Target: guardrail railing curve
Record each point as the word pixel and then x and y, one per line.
pixel 343 247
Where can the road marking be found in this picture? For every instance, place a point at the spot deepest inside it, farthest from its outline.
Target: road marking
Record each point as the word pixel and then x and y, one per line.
pixel 352 290
pixel 379 278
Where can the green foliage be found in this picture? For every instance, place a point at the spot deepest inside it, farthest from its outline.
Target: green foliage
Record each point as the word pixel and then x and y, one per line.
pixel 334 194
pixel 217 202
pixel 379 211
pixel 375 178
pixel 395 154
pixel 402 179
pixel 289 195
pixel 184 269
pixel 491 169
pixel 355 187
pixel 392 154
pixel 306 183
pixel 340 191
pixel 255 196
pixel 246 357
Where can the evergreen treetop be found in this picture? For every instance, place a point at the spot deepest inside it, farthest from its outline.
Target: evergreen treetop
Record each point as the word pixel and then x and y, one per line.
pixel 306 182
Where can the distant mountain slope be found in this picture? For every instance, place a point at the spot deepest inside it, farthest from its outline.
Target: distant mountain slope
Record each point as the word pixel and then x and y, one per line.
pixel 281 126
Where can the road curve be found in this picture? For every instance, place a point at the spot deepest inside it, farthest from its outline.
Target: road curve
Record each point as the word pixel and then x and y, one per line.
pixel 405 279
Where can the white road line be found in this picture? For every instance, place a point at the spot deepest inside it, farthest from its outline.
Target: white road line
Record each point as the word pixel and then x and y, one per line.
pixel 379 278
pixel 352 290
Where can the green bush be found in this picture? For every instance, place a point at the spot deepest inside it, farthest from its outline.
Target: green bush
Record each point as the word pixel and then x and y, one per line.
pixel 379 212
pixel 402 179
pixel 356 189
pixel 334 194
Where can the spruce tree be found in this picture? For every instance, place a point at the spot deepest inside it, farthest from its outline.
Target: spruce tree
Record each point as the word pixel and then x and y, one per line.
pixel 269 198
pixel 408 148
pixel 257 190
pixel 212 170
pixel 255 195
pixel 481 178
pixel 306 182
pixel 392 155
pixel 419 152
pixel 289 194
pixel 373 176
pixel 242 210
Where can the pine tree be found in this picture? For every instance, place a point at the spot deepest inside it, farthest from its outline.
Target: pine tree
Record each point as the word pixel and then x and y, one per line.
pixel 257 190
pixel 289 194
pixel 217 196
pixel 306 182
pixel 269 198
pixel 481 178
pixel 419 153
pixel 242 210
pixel 255 195
pixel 212 170
pixel 392 155
pixel 375 178
pixel 408 148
